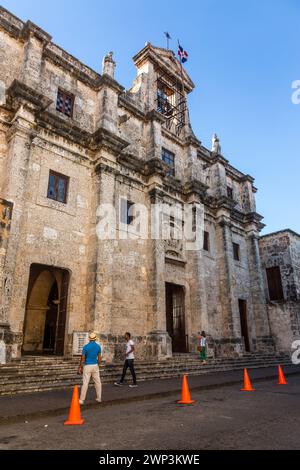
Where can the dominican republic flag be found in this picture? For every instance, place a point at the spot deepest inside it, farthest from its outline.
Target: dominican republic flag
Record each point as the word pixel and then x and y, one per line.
pixel 182 54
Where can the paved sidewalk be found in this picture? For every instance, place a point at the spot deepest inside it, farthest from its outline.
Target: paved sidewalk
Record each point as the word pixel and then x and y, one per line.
pixel 20 408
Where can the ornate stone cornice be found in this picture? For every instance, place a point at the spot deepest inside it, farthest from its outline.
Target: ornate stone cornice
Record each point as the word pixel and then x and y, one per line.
pixel 131 162
pixel 31 28
pixel 155 116
pixel 106 80
pixel 19 93
pixel 154 166
pixel 216 158
pixel 64 62
pixel 127 104
pixel 191 139
pixel 156 195
pixel 104 138
pixel 226 203
pixel 65 128
pixel 195 187
pixel 103 167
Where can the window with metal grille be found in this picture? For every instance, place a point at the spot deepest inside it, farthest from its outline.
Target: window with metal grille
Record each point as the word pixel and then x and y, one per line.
pixel 58 187
pixel 236 251
pixel 229 192
pixel 275 283
pixel 206 241
pixel 65 103
pixel 165 100
pixel 169 158
pixel 126 212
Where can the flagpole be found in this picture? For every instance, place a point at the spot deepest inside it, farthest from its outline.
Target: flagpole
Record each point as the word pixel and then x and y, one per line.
pixel 182 82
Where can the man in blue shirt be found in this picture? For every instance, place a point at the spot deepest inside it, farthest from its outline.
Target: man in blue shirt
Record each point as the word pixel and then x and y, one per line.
pixel 89 365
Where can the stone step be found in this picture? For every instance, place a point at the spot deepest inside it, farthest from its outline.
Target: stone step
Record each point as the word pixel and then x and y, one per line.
pixel 6 374
pixel 112 375
pixel 57 385
pixel 43 363
pixel 50 373
pixel 56 367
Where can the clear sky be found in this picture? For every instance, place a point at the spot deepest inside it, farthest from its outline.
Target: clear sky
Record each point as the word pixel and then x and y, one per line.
pixel 243 57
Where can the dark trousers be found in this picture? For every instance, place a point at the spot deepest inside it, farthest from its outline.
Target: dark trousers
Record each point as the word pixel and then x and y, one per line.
pixel 129 363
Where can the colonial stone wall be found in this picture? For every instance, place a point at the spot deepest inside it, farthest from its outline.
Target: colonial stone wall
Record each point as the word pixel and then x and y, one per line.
pixel 282 249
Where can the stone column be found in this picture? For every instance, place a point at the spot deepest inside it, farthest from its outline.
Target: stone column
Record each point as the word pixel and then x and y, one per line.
pixel 19 139
pixel 154 141
pixel 228 304
pixel 100 319
pixel 35 41
pixel 196 274
pixel 260 314
pixel 158 337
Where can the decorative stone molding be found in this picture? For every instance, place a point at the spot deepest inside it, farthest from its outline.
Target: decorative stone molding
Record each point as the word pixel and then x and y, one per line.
pixel 31 28
pixel 19 93
pixel 104 138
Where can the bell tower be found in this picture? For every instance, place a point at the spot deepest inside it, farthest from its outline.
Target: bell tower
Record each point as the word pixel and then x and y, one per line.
pixel 165 86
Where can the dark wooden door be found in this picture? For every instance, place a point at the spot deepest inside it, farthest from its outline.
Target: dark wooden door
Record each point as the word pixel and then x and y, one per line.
pixel 176 317
pixel 244 324
pixel 62 315
pixel 274 283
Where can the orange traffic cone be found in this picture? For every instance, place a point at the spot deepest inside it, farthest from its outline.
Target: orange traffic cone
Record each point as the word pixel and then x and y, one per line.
pixel 281 377
pixel 74 414
pixel 247 383
pixel 185 394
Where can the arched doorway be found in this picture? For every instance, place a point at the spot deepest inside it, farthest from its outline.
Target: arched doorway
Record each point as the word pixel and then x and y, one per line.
pixel 46 310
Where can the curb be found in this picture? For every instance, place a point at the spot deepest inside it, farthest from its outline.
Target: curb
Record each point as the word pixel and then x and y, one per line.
pixel 119 401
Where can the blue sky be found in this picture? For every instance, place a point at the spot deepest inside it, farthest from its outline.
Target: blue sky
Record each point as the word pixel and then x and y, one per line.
pixel 243 57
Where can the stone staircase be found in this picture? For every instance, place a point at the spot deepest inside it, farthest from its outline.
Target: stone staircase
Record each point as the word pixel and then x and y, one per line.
pixel 40 373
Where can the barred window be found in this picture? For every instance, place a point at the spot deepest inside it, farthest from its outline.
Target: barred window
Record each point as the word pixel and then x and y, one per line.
pixel 127 212
pixel 206 241
pixel 58 187
pixel 169 158
pixel 65 103
pixel 236 251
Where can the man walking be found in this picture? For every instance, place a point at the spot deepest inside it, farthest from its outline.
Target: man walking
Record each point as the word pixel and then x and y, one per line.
pixel 91 358
pixel 129 362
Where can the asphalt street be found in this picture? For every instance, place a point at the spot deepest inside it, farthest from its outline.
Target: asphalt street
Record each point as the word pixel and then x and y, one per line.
pixel 224 418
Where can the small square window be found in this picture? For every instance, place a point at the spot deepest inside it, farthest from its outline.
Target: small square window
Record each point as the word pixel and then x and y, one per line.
pixel 65 103
pixel 206 241
pixel 169 159
pixel 126 212
pixel 236 252
pixel 58 187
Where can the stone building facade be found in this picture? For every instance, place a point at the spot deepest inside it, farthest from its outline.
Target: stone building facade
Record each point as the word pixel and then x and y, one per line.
pixel 74 141
pixel 280 255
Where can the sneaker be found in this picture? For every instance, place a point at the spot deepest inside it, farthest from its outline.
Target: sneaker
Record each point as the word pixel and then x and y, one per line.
pixel 98 401
pixel 133 385
pixel 118 384
pixel 81 402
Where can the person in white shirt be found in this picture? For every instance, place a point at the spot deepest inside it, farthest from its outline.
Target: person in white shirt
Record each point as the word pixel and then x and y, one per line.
pixel 129 361
pixel 202 347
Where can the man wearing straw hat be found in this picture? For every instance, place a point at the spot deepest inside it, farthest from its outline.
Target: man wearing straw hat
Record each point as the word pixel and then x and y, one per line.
pixel 89 365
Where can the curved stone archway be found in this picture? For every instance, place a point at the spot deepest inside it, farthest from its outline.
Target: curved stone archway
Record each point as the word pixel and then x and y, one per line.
pixel 44 311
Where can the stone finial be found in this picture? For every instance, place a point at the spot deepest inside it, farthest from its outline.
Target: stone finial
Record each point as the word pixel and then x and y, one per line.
pixel 108 65
pixel 216 147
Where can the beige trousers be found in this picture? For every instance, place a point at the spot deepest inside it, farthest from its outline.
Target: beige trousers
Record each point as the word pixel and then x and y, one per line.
pixel 88 372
